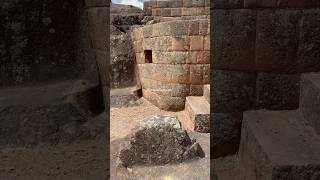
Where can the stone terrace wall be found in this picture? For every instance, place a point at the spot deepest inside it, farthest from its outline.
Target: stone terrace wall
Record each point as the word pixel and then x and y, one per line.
pixel 187 9
pixel 260 48
pixel 180 61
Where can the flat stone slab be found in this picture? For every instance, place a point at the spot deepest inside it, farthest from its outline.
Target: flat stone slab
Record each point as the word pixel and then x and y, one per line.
pixel 158 140
pixel 198 110
pixel 279 145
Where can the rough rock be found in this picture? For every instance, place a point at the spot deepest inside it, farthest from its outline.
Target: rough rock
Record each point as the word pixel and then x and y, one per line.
pixel 158 140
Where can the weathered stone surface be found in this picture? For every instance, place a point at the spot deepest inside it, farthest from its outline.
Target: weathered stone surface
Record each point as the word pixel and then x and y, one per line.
pixel 231 28
pixel 223 4
pixel 232 91
pixel 124 97
pixel 278 145
pixel 95 3
pixel 164 102
pixel 310 99
pixel 226 130
pixel 277 40
pixel 44 124
pixel 280 3
pixel 206 92
pixel 122 61
pixel 42 47
pixel 198 110
pixel 309 42
pixel 277 91
pixel 99 27
pixel 159 140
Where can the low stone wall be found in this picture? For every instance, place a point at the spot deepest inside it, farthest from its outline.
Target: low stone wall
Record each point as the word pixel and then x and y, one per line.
pixel 162 10
pixel 180 53
pixel 259 50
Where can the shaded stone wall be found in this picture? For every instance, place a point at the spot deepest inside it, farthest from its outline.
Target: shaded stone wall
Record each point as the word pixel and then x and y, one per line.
pixel 260 48
pixel 99 26
pixel 173 61
pixel 39 41
pixel 164 10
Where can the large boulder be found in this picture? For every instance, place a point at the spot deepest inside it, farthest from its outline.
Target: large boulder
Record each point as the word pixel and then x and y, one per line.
pixel 158 140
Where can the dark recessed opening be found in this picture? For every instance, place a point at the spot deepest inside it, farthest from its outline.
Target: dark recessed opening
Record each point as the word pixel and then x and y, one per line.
pixel 148 56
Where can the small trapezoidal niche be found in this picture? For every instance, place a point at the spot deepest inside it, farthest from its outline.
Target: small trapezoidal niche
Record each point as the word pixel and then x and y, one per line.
pixel 148 56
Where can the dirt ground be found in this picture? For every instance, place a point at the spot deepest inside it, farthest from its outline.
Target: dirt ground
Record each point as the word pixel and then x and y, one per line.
pixel 122 120
pixel 77 161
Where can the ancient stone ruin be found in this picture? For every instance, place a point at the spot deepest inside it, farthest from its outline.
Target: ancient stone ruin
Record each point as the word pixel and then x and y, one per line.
pixel 159 140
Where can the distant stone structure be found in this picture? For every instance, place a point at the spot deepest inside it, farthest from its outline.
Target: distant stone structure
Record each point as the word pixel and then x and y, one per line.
pixel 173 52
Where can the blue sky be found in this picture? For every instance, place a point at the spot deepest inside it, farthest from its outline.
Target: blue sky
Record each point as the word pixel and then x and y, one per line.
pixel 137 3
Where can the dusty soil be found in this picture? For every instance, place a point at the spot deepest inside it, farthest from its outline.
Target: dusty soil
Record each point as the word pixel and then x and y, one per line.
pixel 77 161
pixel 122 120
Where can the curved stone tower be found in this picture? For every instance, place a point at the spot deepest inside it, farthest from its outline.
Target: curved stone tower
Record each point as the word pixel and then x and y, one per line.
pixel 173 54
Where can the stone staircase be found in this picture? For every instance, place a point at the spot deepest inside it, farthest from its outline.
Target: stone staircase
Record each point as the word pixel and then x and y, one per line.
pixel 198 111
pixel 283 144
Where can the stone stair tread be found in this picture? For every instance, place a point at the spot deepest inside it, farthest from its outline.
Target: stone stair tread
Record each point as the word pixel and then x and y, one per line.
pixel 198 104
pixel 284 137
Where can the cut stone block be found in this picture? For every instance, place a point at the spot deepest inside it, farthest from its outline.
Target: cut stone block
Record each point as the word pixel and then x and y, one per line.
pixel 277 91
pixel 198 110
pixel 226 131
pixel 277 145
pixel 309 43
pixel 231 28
pixel 124 96
pixel 223 4
pixel 206 92
pixel 310 99
pixel 277 40
pixel 233 91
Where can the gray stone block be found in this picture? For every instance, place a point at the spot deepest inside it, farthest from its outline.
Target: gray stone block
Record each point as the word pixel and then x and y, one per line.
pixel 226 128
pixel 309 42
pixel 233 39
pixel 310 99
pixel 231 4
pixel 277 145
pixel 277 40
pixel 277 91
pixel 232 91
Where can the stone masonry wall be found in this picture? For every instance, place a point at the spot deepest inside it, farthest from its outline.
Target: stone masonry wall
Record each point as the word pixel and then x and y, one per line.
pixel 164 10
pixel 180 61
pixel 260 48
pixel 39 41
pixel 99 26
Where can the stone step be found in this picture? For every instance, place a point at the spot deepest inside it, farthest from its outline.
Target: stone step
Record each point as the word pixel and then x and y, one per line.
pixel 198 111
pixel 206 92
pixel 124 97
pixel 278 145
pixel 310 99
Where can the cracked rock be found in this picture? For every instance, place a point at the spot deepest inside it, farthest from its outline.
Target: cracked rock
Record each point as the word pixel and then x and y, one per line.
pixel 158 140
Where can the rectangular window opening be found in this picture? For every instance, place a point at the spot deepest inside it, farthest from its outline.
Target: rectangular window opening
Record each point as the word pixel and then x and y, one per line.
pixel 148 56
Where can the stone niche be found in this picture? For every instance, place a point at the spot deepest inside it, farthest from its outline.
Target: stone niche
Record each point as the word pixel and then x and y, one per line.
pixel 40 41
pixel 173 61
